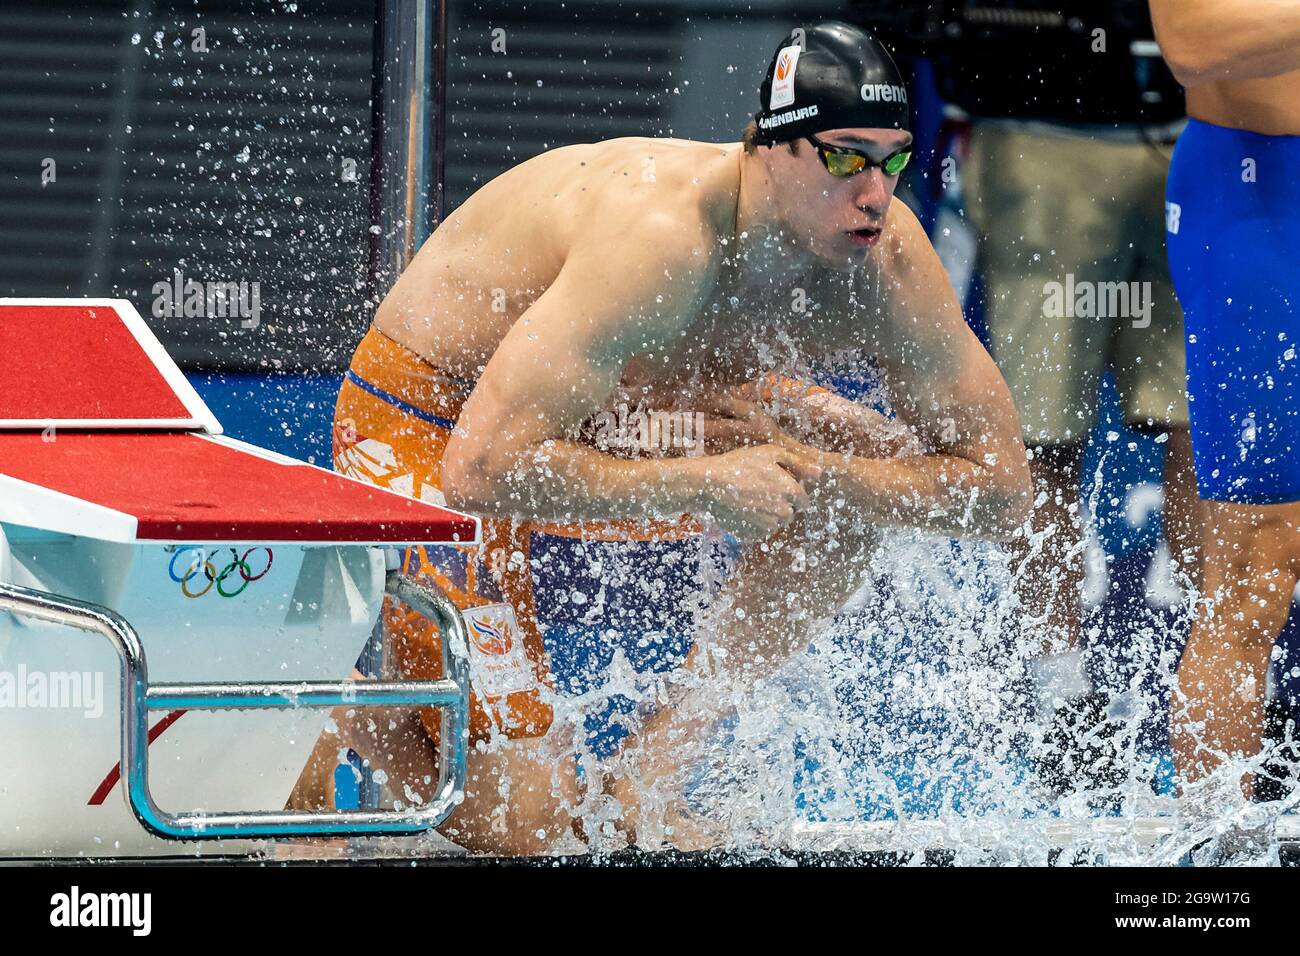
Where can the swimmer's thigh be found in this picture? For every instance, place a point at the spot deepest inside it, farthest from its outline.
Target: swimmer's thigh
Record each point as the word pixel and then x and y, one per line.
pixel 518 799
pixel 1231 245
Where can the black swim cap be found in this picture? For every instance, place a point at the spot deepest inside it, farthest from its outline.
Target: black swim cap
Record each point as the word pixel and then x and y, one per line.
pixel 830 76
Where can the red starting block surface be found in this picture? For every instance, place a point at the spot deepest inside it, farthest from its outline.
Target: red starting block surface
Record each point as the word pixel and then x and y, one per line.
pixel 102 436
pixel 90 365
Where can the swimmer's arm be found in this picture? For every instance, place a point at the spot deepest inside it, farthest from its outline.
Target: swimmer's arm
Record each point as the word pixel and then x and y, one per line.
pixel 816 416
pixel 946 387
pixel 615 297
pixel 1208 40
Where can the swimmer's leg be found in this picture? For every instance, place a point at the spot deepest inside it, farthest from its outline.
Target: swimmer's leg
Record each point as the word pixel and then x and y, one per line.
pixel 1251 562
pixel 1183 516
pixel 517 794
pixel 391 741
pixel 783 586
pixel 804 573
pixel 518 799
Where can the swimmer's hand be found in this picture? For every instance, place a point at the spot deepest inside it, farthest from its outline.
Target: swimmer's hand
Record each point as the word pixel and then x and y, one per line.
pixel 733 420
pixel 834 423
pixel 754 492
pixel 819 419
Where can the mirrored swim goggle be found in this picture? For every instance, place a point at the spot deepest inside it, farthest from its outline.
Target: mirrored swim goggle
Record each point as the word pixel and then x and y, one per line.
pixel 844 161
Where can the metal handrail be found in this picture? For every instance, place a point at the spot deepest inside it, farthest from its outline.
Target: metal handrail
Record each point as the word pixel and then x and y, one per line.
pixel 449 694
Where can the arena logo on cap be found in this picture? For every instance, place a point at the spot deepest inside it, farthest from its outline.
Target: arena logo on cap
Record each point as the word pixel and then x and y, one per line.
pixel 883 93
pixel 783 77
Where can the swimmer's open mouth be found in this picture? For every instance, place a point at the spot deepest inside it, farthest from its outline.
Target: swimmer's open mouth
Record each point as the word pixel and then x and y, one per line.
pixel 864 237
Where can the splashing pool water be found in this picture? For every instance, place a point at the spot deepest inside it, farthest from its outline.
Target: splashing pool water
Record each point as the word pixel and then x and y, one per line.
pixel 909 725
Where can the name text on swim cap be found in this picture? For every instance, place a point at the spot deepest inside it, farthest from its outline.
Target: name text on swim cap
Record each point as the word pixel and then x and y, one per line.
pixel 789 116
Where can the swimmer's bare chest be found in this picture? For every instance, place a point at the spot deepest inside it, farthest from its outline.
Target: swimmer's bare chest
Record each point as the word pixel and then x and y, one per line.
pixel 748 327
pixel 738 336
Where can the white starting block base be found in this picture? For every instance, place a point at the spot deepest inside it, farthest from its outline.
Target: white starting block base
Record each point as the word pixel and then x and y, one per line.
pixel 308 618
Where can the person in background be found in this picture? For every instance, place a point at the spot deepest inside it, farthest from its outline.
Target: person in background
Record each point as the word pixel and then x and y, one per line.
pixel 1233 237
pixel 1065 183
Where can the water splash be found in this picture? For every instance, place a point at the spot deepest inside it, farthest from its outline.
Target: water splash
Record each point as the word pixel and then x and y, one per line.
pixel 911 713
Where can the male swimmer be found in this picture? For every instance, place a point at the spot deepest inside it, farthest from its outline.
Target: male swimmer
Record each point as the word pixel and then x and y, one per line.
pixel 677 278
pixel 1233 236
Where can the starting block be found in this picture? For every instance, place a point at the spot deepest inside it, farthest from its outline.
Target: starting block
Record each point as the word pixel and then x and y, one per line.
pixel 177 608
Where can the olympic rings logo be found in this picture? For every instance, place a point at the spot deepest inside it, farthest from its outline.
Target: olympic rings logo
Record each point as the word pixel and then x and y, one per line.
pixel 200 564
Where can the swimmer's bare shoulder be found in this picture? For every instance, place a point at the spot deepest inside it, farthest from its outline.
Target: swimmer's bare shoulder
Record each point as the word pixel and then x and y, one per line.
pixel 641 258
pixel 506 244
pixel 553 201
pixel 689 188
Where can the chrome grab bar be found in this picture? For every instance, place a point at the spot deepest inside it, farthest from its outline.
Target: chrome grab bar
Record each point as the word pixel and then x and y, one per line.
pixel 450 695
